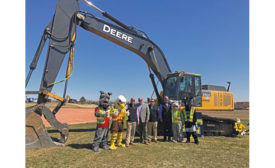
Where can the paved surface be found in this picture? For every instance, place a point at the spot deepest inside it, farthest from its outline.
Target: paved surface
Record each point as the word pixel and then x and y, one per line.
pixel 73 116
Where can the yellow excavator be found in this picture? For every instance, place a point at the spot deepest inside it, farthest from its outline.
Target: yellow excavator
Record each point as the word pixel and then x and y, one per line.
pixel 216 98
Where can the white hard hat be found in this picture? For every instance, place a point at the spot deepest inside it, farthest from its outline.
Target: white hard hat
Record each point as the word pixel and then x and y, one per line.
pixel 176 104
pixel 121 99
pixel 238 120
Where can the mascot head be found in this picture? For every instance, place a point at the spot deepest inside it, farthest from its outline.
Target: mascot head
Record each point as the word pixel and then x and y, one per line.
pixel 120 102
pixel 104 99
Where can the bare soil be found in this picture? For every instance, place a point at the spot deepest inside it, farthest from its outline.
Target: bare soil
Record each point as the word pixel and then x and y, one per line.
pixel 73 116
pixel 242 114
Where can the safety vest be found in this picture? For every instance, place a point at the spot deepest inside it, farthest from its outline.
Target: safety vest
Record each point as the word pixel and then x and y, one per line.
pixel 121 115
pixel 101 120
pixel 188 116
pixel 176 116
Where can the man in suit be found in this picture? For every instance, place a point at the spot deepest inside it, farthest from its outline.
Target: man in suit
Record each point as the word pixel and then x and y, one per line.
pixel 165 118
pixel 143 113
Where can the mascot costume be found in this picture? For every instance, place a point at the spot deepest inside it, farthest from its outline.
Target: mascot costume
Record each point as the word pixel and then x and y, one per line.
pixel 239 128
pixel 190 120
pixel 118 113
pixel 102 114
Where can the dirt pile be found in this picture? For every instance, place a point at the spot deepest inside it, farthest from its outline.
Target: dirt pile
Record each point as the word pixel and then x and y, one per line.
pixel 242 105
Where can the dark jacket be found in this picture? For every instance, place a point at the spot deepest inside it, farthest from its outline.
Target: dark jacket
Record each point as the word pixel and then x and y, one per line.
pixel 154 113
pixel 166 112
pixel 133 113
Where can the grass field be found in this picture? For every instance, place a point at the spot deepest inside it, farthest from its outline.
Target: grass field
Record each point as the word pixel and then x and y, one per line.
pixel 211 152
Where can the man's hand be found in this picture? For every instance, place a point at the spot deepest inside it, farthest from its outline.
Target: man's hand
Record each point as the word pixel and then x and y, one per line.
pixel 146 121
pixel 138 123
pixel 161 120
pixel 127 113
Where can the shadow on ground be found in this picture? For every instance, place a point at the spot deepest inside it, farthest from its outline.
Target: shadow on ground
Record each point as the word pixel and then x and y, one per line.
pixel 80 146
pixel 74 130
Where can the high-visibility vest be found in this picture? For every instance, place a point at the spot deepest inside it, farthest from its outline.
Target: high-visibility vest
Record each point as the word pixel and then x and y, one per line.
pixel 100 120
pixel 121 115
pixel 176 116
pixel 188 116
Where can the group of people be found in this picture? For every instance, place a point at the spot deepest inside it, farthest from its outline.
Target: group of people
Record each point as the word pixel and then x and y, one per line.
pixel 144 117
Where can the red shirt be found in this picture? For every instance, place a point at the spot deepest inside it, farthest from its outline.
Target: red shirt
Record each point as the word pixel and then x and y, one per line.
pixel 106 121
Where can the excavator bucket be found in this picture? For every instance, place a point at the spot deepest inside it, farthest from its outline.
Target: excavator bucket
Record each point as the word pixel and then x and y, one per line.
pixel 36 133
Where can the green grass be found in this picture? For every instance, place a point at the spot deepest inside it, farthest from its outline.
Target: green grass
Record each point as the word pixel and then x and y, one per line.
pixel 211 152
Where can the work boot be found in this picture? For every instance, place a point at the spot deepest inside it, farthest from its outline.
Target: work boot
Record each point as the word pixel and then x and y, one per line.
pixel 113 140
pixel 119 140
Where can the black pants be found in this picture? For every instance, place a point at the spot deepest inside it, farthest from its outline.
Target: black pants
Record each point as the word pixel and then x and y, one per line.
pixel 167 129
pixel 194 134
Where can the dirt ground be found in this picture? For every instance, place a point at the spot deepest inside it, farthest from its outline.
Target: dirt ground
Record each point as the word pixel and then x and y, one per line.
pixel 242 114
pixel 73 116
pixel 85 115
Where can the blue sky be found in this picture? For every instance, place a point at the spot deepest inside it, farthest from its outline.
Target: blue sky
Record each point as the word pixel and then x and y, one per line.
pixel 209 37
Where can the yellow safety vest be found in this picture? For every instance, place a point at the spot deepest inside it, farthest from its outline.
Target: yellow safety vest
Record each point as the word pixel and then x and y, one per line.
pixel 176 116
pixel 100 120
pixel 189 116
pixel 121 114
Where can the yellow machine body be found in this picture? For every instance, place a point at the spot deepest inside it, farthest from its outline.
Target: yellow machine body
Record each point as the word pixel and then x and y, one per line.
pixel 213 100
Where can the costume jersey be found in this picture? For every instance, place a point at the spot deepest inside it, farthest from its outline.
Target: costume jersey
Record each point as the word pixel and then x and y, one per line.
pixel 106 119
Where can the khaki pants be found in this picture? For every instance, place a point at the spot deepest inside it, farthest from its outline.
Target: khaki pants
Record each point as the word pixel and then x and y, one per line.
pixel 153 126
pixel 131 130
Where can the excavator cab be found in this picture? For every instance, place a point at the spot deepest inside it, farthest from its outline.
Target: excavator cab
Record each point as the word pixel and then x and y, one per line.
pixel 184 86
